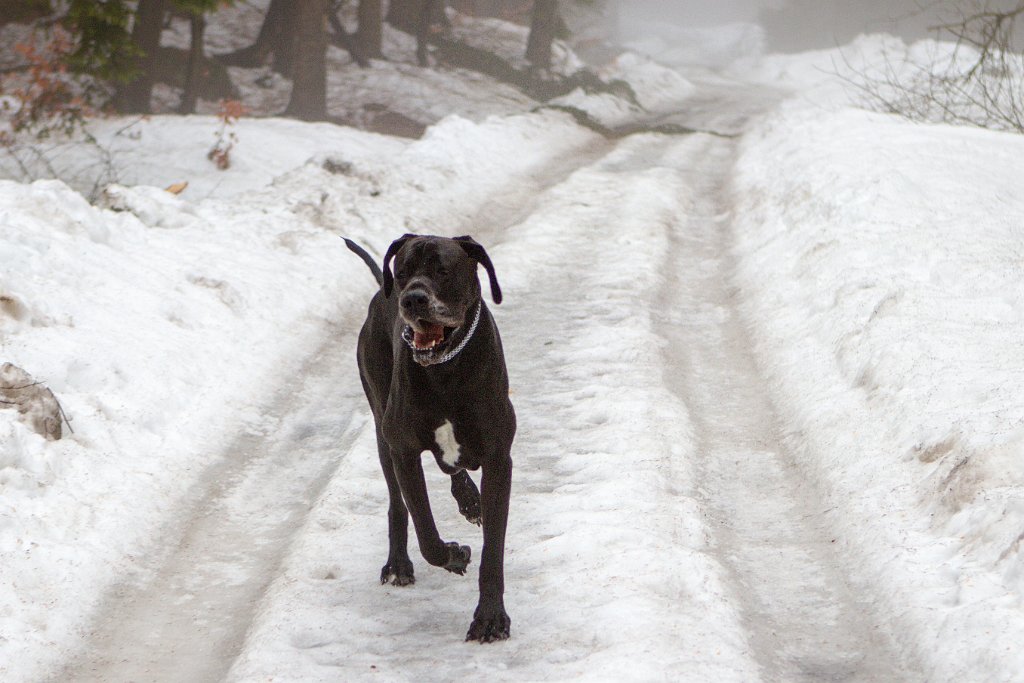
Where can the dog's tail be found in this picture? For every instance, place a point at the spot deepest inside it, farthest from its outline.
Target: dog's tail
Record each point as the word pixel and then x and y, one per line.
pixel 367 259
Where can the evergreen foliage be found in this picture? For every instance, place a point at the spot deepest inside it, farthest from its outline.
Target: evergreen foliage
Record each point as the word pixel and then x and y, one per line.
pixel 104 47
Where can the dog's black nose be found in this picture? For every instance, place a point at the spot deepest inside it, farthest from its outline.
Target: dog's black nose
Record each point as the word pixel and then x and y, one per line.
pixel 415 300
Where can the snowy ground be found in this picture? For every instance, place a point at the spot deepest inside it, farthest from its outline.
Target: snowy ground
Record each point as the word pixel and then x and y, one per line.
pixel 769 428
pixel 880 262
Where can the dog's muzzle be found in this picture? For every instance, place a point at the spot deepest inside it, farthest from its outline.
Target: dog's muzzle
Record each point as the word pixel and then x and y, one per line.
pixel 429 346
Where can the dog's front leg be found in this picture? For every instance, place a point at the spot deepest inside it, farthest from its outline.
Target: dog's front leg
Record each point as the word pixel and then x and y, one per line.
pixel 490 621
pixel 398 569
pixel 451 556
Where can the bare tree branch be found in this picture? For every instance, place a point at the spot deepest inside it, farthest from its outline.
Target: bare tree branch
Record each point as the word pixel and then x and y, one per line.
pixel 978 81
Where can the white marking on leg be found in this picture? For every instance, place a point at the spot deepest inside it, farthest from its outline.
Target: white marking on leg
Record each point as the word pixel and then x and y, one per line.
pixel 445 438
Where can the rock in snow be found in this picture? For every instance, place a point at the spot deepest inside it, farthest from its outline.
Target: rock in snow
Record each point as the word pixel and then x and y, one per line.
pixel 35 403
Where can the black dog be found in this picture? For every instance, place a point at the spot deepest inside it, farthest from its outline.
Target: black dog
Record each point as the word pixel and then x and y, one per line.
pixel 433 370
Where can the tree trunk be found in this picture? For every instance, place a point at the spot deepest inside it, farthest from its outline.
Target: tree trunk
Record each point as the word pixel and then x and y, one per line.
pixel 542 33
pixel 369 35
pixel 423 33
pixel 134 96
pixel 408 14
pixel 431 14
pixel 404 14
pixel 286 28
pixel 190 95
pixel 274 39
pixel 341 38
pixel 309 70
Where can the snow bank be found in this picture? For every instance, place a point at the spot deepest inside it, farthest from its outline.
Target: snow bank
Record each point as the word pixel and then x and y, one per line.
pixel 163 150
pixel 815 72
pixel 658 89
pixel 155 335
pixel 880 263
pixel 883 73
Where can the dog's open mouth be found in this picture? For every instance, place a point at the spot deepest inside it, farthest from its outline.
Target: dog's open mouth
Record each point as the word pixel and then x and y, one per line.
pixel 432 336
pixel 428 341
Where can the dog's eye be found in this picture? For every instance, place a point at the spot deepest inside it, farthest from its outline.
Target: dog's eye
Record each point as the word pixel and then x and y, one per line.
pixel 442 271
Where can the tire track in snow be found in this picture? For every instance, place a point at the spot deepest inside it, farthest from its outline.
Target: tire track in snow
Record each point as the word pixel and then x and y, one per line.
pixel 604 477
pixel 806 621
pixel 184 617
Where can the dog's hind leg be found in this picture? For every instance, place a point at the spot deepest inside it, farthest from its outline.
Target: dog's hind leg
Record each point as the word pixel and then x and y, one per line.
pixel 467 496
pixel 398 570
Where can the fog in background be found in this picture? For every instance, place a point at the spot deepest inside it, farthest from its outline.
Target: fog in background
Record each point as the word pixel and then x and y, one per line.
pixel 784 25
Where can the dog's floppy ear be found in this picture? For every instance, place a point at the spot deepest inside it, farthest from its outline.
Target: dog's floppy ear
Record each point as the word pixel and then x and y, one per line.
pixel 477 253
pixel 389 279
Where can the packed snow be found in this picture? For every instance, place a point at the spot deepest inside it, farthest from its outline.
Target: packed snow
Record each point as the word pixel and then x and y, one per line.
pixel 881 266
pixel 868 267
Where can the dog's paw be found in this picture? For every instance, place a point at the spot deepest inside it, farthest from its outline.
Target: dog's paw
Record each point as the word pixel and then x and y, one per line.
pixel 458 558
pixel 467 496
pixel 472 513
pixel 489 625
pixel 397 573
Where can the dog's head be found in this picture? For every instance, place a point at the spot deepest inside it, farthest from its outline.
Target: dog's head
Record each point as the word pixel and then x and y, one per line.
pixel 438 291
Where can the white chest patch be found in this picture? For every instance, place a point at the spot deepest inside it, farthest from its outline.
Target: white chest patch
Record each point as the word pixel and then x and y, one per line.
pixel 445 438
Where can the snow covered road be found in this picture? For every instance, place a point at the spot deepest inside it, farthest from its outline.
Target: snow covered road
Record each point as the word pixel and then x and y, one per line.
pixel 805 620
pixel 659 530
pixel 607 466
pixel 605 529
